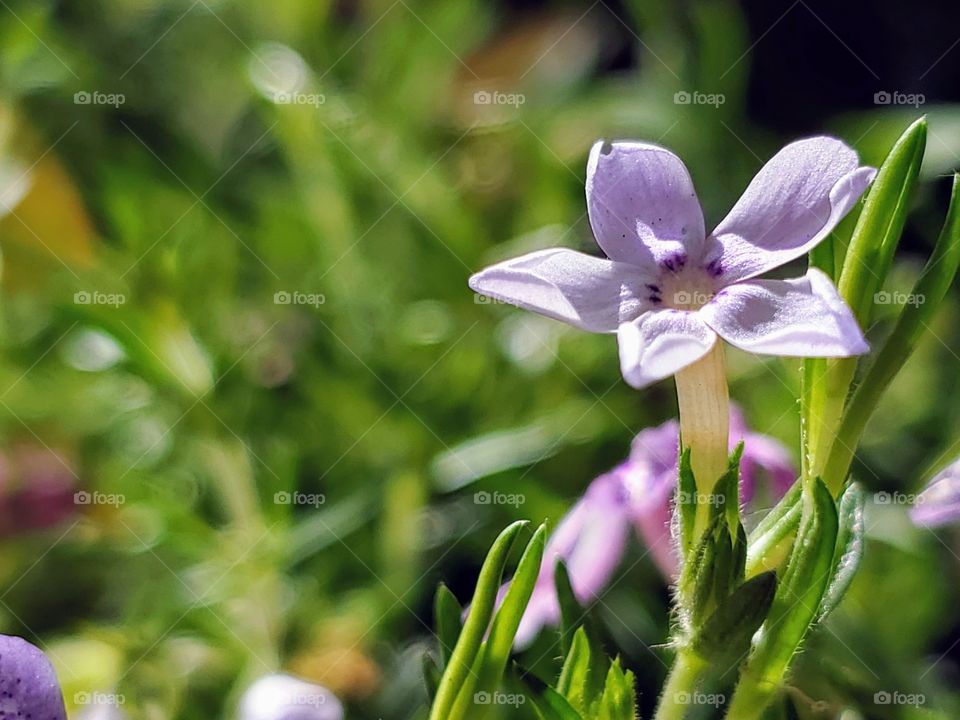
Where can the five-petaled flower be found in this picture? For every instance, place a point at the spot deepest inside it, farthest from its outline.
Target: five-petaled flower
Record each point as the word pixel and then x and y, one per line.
pixel 668 289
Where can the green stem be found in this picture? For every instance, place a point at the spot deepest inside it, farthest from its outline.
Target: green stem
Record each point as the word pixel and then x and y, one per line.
pixel 681 686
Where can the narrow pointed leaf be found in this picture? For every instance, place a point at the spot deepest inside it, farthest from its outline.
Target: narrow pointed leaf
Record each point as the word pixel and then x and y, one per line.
pixel 937 276
pixel 795 605
pixel 459 669
pixel 507 619
pixel 447 615
pixel 686 506
pixel 849 550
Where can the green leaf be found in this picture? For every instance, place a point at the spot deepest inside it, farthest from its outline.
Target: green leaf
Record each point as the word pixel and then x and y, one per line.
pixel 619 698
pixel 547 702
pixel 431 675
pixel 583 675
pixel 724 638
pixel 459 673
pixel 795 605
pixel 686 505
pixel 447 615
pixel 937 276
pixel 507 620
pixel 572 615
pixel 727 492
pixel 770 542
pixel 849 549
pixel 826 382
pixel 880 225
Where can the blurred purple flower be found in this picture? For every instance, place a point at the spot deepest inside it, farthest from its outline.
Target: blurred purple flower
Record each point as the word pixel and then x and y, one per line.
pixel 28 683
pixel 939 503
pixel 36 489
pixel 285 697
pixel 592 537
pixel 668 289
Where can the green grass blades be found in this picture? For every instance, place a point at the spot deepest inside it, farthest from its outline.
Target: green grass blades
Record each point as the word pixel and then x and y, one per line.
pixel 572 615
pixel 795 606
pixel 459 671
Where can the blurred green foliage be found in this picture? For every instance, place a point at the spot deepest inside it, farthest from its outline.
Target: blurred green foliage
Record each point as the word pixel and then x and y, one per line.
pixel 273 231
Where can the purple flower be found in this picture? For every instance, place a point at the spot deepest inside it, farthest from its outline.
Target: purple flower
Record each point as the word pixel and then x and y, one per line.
pixel 284 697
pixel 28 684
pixel 939 503
pixel 592 536
pixel 668 289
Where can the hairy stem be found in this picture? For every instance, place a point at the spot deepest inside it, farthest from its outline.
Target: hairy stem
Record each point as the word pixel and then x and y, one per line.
pixel 681 686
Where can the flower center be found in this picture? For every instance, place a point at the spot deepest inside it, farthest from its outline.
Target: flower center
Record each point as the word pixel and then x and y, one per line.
pixel 682 286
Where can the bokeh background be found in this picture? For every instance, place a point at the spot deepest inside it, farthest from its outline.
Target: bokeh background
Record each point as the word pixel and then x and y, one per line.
pixel 246 397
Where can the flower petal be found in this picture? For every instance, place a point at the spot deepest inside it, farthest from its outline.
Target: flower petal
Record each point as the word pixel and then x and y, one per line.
pixel 28 683
pixel 792 204
pixel 590 539
pixel 939 503
pixel 659 343
pixel 802 317
pixel 591 293
pixel 642 204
